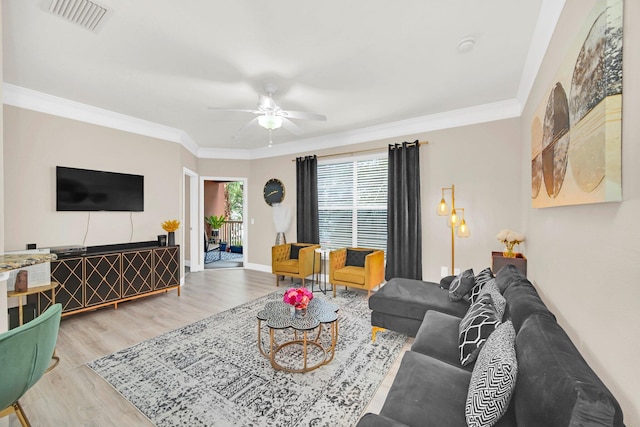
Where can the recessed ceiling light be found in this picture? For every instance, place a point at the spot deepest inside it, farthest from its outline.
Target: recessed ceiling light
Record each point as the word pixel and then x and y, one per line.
pixel 466 44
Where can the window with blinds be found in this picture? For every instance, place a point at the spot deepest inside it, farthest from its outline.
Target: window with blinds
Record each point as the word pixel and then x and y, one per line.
pixel 352 203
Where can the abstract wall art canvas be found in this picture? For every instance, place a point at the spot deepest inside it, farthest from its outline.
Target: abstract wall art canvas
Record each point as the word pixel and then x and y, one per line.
pixel 576 147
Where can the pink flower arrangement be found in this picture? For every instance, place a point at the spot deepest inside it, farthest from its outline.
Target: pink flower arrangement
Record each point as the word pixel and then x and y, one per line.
pixel 298 297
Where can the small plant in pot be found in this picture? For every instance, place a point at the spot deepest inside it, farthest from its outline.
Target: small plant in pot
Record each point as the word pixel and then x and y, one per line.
pixel 215 222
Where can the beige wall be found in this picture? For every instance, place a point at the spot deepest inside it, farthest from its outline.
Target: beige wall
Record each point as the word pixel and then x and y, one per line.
pixel 482 162
pixel 585 259
pixel 37 142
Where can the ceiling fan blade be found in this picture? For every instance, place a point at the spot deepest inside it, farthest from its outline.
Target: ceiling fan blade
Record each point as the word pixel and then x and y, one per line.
pixel 247 126
pixel 235 110
pixel 291 127
pixel 302 115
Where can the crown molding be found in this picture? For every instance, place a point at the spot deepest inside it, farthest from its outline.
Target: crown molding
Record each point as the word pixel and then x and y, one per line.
pixel 547 20
pixel 38 101
pixel 54 105
pixel 450 119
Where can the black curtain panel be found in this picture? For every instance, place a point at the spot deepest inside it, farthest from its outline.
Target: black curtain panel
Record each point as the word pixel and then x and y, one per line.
pixel 404 230
pixel 307 199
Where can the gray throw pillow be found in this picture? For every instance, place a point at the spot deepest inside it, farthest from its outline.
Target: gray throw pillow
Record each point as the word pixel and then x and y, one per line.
pixel 461 285
pixel 493 379
pixel 445 282
pixel 481 279
pixel 475 327
pixel 295 251
pixel 356 258
pixel 499 302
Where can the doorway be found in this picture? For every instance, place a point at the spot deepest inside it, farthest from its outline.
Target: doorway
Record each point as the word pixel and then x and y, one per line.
pixel 224 222
pixel 190 259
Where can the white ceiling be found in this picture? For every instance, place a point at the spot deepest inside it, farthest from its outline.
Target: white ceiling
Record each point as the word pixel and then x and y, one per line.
pixel 365 64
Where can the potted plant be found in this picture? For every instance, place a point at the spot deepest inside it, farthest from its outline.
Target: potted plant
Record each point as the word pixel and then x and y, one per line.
pixel 215 222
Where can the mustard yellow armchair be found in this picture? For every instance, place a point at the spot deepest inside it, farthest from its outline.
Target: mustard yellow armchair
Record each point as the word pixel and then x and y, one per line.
pixel 360 268
pixel 300 265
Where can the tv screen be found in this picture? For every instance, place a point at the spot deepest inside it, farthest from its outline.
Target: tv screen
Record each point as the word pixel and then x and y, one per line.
pixel 90 190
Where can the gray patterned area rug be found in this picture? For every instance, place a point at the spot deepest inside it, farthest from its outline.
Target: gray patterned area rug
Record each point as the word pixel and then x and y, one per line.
pixel 211 373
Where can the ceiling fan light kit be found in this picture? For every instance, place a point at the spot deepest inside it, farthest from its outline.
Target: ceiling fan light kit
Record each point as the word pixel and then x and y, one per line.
pixel 270 122
pixel 271 116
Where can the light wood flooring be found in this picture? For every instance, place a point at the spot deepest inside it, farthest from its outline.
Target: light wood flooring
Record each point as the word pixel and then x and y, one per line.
pixel 73 395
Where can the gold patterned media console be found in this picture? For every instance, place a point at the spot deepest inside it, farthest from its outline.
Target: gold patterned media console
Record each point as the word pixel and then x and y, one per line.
pixel 108 275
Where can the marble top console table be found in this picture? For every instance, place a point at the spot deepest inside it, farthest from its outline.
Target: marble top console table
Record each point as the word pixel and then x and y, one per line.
pixel 10 262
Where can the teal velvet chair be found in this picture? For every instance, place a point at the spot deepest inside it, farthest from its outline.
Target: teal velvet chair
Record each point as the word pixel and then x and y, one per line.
pixel 25 355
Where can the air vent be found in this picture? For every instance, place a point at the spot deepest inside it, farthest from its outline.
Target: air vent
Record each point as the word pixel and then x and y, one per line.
pixel 85 13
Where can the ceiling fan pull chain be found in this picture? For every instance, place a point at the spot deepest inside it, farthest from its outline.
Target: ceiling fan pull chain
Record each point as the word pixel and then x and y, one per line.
pixel 270 142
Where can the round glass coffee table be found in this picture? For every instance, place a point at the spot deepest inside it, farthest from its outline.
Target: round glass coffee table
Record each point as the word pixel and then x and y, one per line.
pixel 305 352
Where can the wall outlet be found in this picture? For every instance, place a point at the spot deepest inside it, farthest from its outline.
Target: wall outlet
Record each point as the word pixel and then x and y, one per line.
pixel 456 271
pixel 444 271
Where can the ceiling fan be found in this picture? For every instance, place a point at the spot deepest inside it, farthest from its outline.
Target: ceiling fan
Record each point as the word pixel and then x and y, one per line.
pixel 271 117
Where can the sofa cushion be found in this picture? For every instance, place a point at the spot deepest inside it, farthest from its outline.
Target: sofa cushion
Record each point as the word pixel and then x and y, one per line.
pixel 288 266
pixel 295 251
pixel 350 274
pixel 523 301
pixel 555 385
pixel 461 285
pixel 356 258
pixel 438 337
pixel 413 298
pixel 475 327
pixel 374 420
pixel 401 324
pixel 427 392
pixel 480 280
pixel 499 302
pixel 508 275
pixel 493 378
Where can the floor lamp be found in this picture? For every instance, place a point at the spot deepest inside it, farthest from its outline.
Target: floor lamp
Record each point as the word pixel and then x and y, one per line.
pixel 455 220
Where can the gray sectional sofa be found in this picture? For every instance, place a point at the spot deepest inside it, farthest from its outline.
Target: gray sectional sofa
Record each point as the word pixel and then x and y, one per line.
pixel 554 386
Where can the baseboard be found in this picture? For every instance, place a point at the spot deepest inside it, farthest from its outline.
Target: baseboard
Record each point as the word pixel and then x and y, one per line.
pixel 258 267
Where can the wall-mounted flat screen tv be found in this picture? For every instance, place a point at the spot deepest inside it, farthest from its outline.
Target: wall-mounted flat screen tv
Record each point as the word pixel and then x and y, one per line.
pixel 91 190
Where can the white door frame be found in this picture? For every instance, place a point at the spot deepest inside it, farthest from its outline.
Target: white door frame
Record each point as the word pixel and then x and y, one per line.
pixel 194 259
pixel 245 212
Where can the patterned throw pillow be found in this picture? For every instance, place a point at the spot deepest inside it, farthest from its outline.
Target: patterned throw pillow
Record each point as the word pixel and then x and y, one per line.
pixel 356 258
pixel 499 302
pixel 475 327
pixel 493 379
pixel 461 285
pixel 481 279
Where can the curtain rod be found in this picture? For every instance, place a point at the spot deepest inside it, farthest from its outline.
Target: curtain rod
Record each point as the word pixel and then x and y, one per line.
pixel 359 151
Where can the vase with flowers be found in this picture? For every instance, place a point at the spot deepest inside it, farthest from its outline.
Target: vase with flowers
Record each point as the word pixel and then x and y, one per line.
pixel 170 226
pixel 299 299
pixel 510 239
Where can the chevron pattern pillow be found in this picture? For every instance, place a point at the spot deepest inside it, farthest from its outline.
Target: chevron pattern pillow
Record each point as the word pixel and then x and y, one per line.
pixel 475 327
pixel 480 280
pixel 493 379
